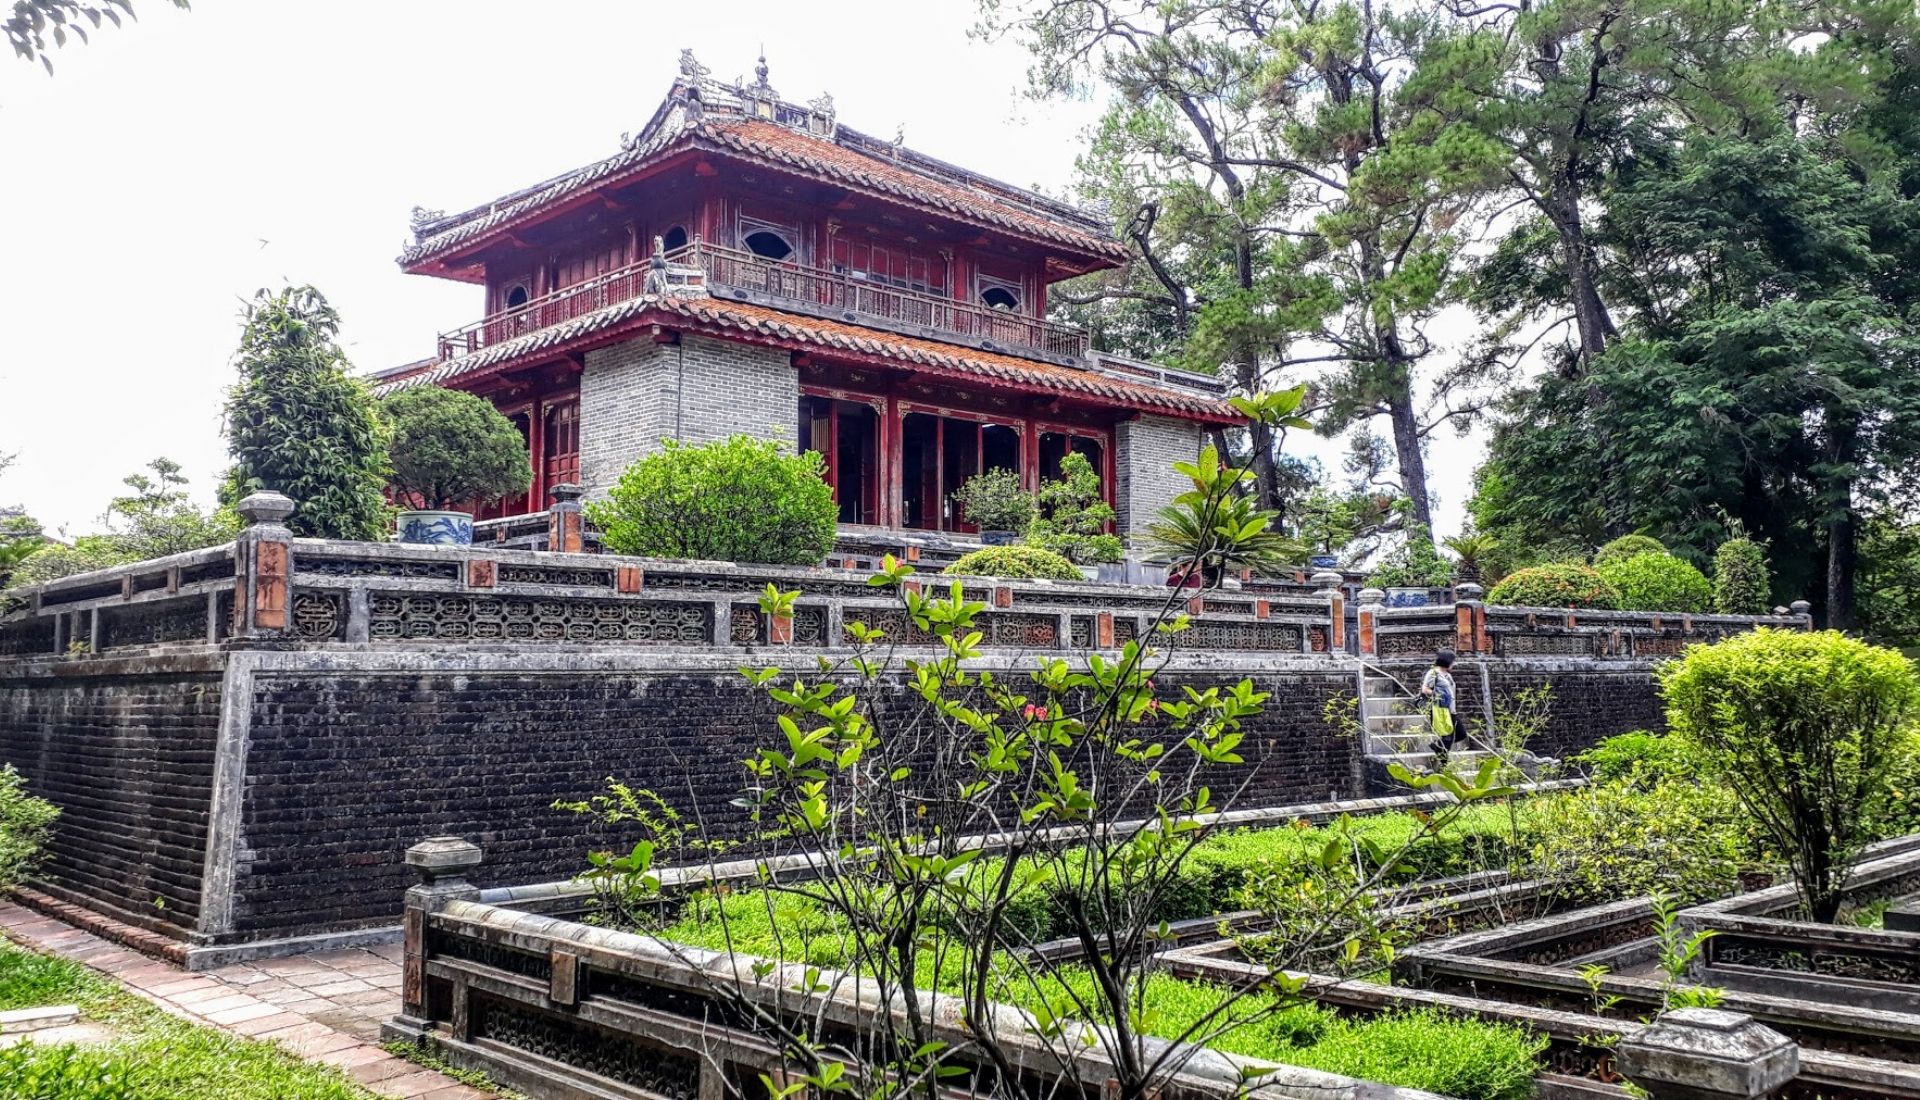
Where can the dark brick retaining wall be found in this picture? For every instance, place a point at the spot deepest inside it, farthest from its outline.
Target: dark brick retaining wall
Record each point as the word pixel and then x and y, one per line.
pixel 128 757
pixel 339 758
pixel 346 769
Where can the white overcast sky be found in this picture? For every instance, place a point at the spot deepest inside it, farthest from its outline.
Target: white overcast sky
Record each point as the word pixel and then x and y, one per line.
pixel 167 170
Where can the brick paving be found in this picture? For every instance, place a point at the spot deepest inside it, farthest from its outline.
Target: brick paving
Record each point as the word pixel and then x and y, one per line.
pixel 325 1007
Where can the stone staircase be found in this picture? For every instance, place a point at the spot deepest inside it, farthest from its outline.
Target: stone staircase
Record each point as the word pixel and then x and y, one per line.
pixel 1394 718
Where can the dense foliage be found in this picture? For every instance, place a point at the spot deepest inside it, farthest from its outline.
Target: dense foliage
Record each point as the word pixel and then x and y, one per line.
pixel 297 423
pixel 996 501
pixel 154 520
pixel 1561 584
pixel 1627 546
pixel 26 823
pixel 1741 585
pixel 1805 729
pixel 1074 516
pixel 1658 581
pixel 1016 562
pixel 450 448
pixel 738 499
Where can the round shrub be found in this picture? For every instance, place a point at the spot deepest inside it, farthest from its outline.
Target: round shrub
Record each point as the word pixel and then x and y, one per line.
pixel 1628 546
pixel 740 499
pixel 1806 729
pixel 1017 563
pixel 1561 584
pixel 1658 582
pixel 1740 582
pixel 995 501
pixel 451 448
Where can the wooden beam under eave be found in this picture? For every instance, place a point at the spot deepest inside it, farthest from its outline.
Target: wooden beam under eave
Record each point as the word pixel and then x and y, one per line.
pixel 664 335
pixel 704 168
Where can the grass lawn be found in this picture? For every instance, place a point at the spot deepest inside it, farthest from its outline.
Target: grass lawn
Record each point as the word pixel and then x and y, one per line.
pixel 157 1057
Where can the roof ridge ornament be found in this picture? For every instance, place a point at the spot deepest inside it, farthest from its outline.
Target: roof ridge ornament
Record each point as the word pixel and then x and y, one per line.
pixel 690 66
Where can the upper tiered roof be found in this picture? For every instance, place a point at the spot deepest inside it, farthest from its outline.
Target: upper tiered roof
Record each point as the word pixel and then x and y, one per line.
pixel 751 123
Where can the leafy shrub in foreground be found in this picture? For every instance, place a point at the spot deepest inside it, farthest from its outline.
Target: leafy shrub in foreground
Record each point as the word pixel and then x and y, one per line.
pixel 1658 582
pixel 739 499
pixel 1561 584
pixel 1016 563
pixel 1638 758
pixel 25 824
pixel 1627 546
pixel 1805 729
pixel 1740 582
pixel 1612 840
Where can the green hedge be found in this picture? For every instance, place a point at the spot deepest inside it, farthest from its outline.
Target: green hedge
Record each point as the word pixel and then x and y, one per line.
pixel 1659 582
pixel 1561 584
pixel 1016 563
pixel 1627 546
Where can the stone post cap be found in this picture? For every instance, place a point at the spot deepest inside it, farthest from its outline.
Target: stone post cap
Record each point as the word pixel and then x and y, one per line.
pixel 1708 1054
pixel 566 491
pixel 1780 611
pixel 443 857
pixel 265 506
pixel 1801 607
pixel 1372 597
pixel 1468 591
pixel 1327 578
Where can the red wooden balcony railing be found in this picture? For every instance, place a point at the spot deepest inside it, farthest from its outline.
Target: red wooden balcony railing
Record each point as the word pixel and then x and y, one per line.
pixel 837 293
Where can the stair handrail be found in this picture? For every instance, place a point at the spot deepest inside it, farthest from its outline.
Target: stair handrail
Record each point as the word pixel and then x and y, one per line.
pixel 1493 750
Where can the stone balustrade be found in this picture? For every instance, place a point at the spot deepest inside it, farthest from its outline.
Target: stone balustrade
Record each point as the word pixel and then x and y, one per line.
pixel 270 587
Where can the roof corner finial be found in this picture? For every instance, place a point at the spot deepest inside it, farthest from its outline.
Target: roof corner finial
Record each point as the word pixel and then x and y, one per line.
pixel 690 66
pixel 899 138
pixel 760 70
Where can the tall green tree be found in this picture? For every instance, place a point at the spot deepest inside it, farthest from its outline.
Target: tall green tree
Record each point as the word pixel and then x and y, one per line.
pixel 298 423
pixel 1769 366
pixel 1288 176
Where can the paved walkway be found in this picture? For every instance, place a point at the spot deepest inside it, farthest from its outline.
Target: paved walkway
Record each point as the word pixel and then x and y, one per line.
pixel 325 1007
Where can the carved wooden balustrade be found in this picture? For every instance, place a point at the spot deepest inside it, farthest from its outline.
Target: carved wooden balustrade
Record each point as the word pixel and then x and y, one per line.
pixel 821 291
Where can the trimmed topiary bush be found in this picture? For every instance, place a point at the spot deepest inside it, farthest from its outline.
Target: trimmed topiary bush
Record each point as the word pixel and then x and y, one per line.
pixel 1658 582
pixel 1561 584
pixel 1741 585
pixel 739 499
pixel 1806 730
pixel 1016 563
pixel 451 449
pixel 1627 546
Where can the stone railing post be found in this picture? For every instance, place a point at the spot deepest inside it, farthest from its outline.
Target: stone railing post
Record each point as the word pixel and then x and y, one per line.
pixel 1367 620
pixel 263 567
pixel 442 862
pixel 1469 618
pixel 1328 589
pixel 1708 1054
pixel 566 519
pixel 1803 611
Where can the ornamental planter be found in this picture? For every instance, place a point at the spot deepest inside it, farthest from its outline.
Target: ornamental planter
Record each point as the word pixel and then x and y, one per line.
pixel 999 538
pixel 1407 597
pixel 435 528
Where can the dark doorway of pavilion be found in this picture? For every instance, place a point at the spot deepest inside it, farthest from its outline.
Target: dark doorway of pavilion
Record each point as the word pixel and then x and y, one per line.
pixel 938 454
pixel 846 433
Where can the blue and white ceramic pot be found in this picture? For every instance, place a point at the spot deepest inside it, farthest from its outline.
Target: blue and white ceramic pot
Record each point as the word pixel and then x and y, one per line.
pixel 436 528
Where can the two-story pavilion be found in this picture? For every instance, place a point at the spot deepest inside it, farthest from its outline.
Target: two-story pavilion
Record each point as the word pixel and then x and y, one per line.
pixel 745 264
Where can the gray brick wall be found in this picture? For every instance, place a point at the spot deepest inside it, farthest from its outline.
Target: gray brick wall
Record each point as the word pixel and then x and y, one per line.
pixel 636 394
pixel 1148 448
